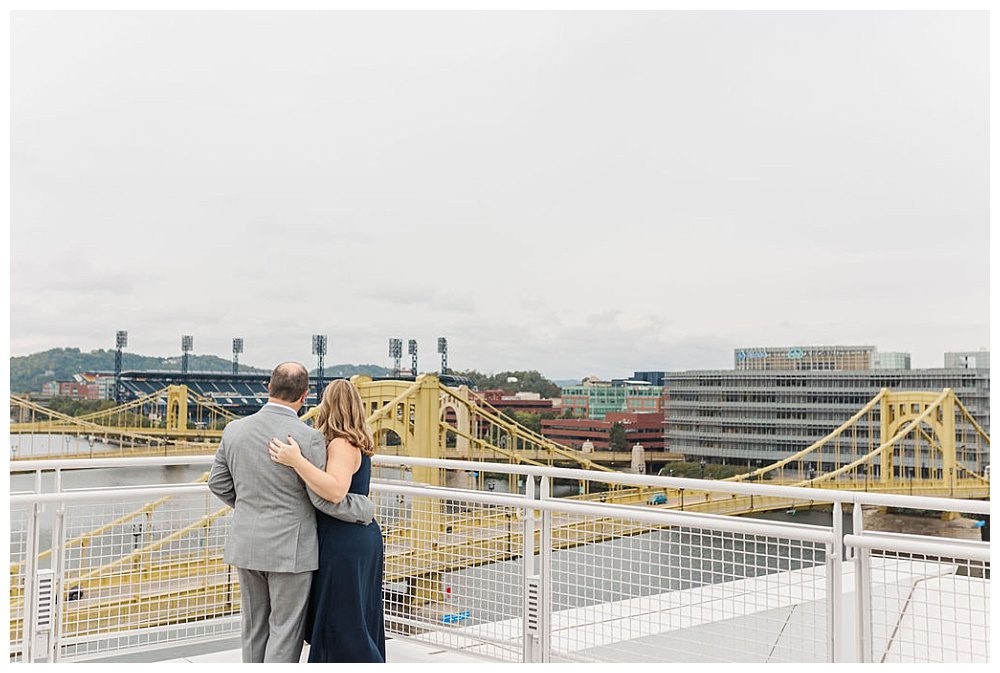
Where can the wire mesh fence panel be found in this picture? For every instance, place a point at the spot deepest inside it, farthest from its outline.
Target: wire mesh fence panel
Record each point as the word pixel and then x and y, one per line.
pixel 18 555
pixel 144 574
pixel 453 573
pixel 140 571
pixel 928 608
pixel 624 591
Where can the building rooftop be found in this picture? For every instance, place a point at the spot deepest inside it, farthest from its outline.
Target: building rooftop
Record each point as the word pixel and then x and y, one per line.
pixel 397 651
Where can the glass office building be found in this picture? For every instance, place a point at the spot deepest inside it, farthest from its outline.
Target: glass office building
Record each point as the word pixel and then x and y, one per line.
pixel 594 399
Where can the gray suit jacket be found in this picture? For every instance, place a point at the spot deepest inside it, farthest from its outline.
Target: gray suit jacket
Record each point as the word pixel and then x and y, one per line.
pixel 274 522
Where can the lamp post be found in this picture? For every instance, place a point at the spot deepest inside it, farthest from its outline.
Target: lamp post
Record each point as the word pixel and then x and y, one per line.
pixel 237 349
pixel 121 341
pixel 703 462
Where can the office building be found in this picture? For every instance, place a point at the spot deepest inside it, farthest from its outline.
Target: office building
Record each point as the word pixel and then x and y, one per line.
pixel 803 358
pixel 891 361
pixel 595 398
pixel 761 416
pixel 967 360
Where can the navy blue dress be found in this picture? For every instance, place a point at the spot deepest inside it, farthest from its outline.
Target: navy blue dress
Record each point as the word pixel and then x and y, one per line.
pixel 344 622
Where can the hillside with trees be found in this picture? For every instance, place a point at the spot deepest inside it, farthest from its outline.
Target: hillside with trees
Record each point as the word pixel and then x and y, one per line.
pixel 527 382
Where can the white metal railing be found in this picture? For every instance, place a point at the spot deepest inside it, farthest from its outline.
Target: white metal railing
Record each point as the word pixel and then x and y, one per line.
pixel 518 576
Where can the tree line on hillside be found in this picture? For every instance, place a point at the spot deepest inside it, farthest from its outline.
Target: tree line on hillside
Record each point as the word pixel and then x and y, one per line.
pixel 527 382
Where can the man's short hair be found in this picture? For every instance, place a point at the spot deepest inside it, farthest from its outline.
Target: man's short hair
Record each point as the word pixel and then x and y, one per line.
pixel 289 381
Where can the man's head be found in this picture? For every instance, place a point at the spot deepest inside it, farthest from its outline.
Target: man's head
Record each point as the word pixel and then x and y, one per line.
pixel 289 384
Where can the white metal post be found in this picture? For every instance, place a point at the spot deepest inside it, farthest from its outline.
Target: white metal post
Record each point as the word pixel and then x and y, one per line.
pixel 545 577
pixel 529 623
pixel 58 567
pixel 862 589
pixel 30 576
pixel 834 568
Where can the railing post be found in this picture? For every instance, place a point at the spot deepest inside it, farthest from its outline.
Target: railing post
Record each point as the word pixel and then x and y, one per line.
pixel 30 577
pixel 537 569
pixel 58 571
pixel 529 611
pixel 545 575
pixel 862 594
pixel 834 570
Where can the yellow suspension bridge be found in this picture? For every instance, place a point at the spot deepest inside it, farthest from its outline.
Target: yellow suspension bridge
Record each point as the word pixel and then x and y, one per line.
pixel 920 443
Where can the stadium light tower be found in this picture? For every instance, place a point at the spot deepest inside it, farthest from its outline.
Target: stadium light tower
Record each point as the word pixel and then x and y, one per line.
pixel 121 341
pixel 319 350
pixel 237 349
pixel 396 353
pixel 187 345
pixel 443 350
pixel 412 350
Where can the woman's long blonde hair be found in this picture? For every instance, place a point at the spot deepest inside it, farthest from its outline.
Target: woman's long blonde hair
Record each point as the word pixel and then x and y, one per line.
pixel 342 414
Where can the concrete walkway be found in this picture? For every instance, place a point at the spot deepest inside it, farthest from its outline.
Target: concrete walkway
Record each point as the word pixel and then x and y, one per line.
pixel 397 651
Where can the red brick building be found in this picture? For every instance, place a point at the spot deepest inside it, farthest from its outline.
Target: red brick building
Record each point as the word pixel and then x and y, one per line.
pixel 640 428
pixel 505 401
pixel 73 389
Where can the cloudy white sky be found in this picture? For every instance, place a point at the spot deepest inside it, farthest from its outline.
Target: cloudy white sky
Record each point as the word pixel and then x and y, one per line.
pixel 579 193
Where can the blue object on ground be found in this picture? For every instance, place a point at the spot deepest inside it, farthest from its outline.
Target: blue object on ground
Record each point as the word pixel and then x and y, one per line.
pixel 461 616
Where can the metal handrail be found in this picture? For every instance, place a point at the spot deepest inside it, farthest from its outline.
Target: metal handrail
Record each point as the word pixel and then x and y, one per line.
pixel 52 464
pixel 819 495
pixel 923 544
pixel 659 517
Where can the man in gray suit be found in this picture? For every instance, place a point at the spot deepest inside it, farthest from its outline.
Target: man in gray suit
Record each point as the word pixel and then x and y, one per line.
pixel 273 539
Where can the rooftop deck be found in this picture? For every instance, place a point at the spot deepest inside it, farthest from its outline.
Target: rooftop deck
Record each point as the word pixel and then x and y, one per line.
pixel 135 574
pixel 397 651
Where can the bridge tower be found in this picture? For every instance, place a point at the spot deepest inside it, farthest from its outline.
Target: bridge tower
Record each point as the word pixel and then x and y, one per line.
pixel 937 411
pixel 177 408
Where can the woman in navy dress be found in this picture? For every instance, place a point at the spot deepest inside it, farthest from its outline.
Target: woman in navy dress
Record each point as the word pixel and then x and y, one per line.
pixel 344 622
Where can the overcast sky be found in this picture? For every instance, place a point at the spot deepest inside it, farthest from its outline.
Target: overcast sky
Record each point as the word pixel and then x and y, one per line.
pixel 579 193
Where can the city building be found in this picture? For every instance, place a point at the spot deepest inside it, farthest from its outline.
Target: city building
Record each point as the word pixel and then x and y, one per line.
pixel 105 383
pixel 653 378
pixel 640 428
pixel 803 358
pixel 522 401
pixel 595 398
pixel 967 360
pixel 891 361
pixel 77 390
pixel 762 416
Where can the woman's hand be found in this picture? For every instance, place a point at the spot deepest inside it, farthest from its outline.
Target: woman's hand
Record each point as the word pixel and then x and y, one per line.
pixel 287 454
